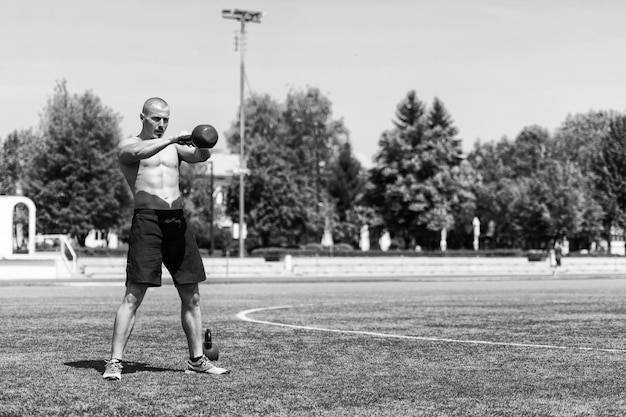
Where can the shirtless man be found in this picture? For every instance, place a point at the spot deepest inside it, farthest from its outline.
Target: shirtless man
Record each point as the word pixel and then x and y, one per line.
pixel 159 234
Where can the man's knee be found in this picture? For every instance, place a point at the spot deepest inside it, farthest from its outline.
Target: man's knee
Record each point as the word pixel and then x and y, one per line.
pixel 189 295
pixel 134 296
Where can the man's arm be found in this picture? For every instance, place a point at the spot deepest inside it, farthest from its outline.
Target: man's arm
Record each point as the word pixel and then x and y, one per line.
pixel 192 154
pixel 133 149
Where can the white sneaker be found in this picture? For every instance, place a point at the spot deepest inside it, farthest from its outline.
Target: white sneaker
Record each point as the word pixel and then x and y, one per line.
pixel 204 366
pixel 113 370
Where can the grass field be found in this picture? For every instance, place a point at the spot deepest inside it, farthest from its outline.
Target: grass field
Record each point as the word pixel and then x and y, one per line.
pixel 53 340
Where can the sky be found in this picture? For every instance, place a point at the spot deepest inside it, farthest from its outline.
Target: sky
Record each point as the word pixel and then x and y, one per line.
pixel 497 65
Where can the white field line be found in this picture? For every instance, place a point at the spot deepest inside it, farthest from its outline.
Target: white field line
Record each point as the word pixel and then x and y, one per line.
pixel 91 284
pixel 243 315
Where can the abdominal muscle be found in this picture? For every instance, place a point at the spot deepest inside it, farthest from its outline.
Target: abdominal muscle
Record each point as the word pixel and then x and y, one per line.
pixel 156 183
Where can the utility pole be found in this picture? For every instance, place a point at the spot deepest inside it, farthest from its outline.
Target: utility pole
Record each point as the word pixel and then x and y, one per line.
pixel 243 16
pixel 317 166
pixel 212 203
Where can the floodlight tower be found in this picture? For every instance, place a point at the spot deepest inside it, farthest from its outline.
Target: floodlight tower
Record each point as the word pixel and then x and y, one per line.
pixel 243 16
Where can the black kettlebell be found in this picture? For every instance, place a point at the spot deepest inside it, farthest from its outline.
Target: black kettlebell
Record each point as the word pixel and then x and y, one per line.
pixel 210 347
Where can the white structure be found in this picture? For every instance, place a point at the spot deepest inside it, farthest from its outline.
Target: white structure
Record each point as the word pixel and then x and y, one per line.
pixel 31 264
pixel 617 245
pixel 443 242
pixel 100 239
pixel 327 238
pixel 364 241
pixel 565 246
pixel 7 208
pixel 385 241
pixel 476 227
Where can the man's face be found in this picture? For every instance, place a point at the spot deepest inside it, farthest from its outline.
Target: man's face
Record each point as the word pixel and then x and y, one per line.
pixel 155 122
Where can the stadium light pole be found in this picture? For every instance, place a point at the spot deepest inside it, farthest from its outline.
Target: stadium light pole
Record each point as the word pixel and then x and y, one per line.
pixel 243 16
pixel 212 203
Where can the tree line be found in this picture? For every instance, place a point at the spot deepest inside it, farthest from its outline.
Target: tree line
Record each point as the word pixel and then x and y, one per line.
pixel 303 176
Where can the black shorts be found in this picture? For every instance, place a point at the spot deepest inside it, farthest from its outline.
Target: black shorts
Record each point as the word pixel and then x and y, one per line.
pixel 162 237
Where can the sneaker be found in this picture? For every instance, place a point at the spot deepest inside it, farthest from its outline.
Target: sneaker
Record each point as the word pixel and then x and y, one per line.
pixel 204 366
pixel 113 370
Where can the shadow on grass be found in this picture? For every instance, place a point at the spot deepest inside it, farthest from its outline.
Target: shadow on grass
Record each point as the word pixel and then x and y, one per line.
pixel 129 367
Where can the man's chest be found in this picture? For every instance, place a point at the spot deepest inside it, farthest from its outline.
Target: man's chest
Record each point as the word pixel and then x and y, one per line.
pixel 167 159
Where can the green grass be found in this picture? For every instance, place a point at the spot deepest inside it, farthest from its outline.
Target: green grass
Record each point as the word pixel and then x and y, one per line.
pixel 53 341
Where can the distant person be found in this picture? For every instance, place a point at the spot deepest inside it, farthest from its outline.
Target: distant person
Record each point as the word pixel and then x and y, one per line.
pixel 159 234
pixel 556 255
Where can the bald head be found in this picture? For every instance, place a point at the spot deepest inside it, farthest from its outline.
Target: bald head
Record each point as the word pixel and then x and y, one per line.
pixel 153 101
pixel 155 117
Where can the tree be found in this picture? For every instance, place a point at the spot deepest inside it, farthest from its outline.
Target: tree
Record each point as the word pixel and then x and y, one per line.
pixel 263 121
pixel 276 194
pixel 346 181
pixel 288 147
pixel 438 116
pixel 15 160
pixel 408 184
pixel 573 211
pixel 515 194
pixel 610 169
pixel 460 184
pixel 532 192
pixel 579 138
pixel 529 151
pixel 489 160
pixel 74 178
pixel 276 200
pixel 314 136
pixel 195 189
pixel 325 161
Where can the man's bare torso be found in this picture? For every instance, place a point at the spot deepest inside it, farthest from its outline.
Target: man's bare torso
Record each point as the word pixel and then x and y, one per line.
pixel 154 180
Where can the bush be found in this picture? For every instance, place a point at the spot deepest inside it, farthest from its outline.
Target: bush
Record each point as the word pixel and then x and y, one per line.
pixel 317 247
pixel 343 247
pixel 101 252
pixel 536 256
pixel 346 250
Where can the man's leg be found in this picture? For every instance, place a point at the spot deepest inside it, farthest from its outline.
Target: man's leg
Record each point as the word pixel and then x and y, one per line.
pixel 125 318
pixel 191 317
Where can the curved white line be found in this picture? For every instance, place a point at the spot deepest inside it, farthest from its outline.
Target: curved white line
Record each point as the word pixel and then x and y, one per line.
pixel 243 315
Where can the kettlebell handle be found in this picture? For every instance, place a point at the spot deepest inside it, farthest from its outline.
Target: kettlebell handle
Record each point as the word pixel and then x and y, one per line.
pixel 207 338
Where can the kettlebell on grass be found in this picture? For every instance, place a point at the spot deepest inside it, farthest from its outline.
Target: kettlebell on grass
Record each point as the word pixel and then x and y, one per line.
pixel 210 347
